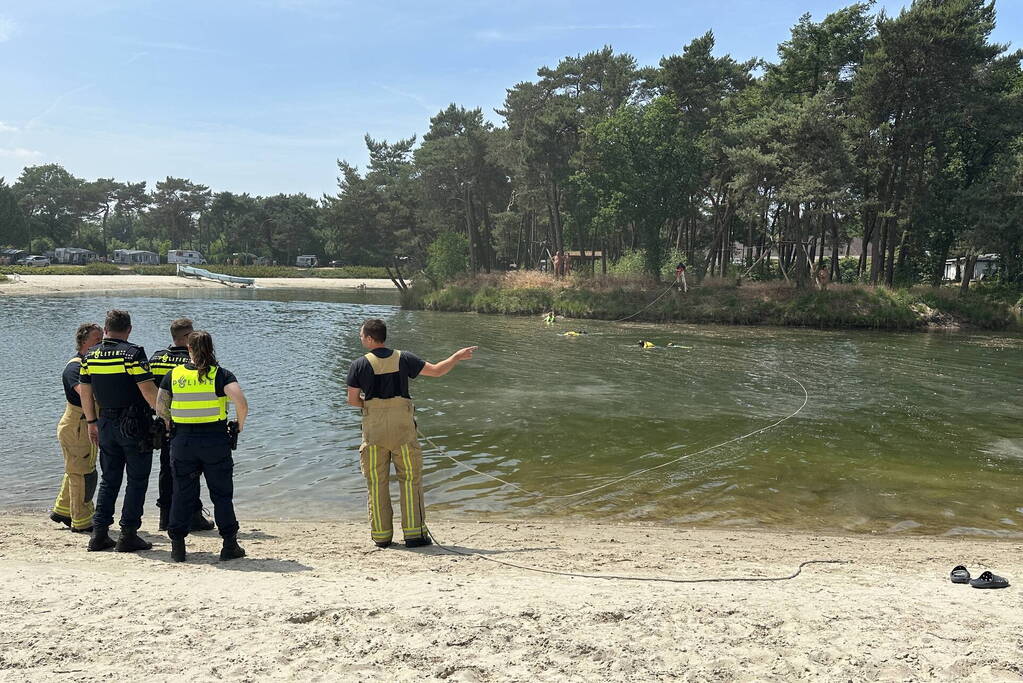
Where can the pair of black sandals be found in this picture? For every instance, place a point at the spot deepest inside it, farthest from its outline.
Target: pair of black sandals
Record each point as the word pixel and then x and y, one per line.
pixel 986 580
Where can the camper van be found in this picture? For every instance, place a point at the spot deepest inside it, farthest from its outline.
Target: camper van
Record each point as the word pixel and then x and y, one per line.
pixel 307 261
pixel 191 258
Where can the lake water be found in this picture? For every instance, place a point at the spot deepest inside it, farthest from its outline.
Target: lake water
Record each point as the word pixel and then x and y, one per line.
pixel 901 433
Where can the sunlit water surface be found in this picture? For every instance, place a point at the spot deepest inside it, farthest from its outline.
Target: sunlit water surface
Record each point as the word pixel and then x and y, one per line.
pixel 900 433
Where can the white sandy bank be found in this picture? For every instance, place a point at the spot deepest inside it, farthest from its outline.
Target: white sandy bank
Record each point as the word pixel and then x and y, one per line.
pixel 54 284
pixel 316 601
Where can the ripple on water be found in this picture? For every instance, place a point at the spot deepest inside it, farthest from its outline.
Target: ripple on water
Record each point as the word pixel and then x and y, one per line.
pixel 898 431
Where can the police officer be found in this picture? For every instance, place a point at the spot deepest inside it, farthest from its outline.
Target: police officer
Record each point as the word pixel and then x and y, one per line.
pixel 116 374
pixel 194 397
pixel 161 363
pixel 73 506
pixel 378 383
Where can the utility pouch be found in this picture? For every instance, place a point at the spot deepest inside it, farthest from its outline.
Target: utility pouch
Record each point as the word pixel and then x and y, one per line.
pixel 158 432
pixel 232 434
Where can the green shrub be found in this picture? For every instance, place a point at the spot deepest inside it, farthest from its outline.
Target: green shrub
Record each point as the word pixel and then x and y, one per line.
pixel 100 268
pixel 165 269
pixel 631 263
pixel 448 257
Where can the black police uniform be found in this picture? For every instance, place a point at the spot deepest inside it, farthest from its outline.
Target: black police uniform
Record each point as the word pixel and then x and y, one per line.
pixel 114 368
pixel 202 449
pixel 160 364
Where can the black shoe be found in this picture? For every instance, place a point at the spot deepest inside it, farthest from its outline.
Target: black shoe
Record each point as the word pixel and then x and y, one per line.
pixel 86 530
pixel 418 542
pixel 200 523
pixel 231 550
pixel 178 549
pixel 383 544
pixel 164 518
pixel 129 542
pixel 60 519
pixel 100 539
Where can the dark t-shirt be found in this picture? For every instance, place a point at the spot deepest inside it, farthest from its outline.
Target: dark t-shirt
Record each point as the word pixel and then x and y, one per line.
pixel 390 385
pixel 114 368
pixel 70 378
pixel 222 379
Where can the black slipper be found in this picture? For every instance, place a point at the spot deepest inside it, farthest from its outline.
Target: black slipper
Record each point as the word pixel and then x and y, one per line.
pixel 960 575
pixel 989 580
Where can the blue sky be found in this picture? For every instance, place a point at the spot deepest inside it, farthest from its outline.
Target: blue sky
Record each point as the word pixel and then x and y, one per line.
pixel 263 96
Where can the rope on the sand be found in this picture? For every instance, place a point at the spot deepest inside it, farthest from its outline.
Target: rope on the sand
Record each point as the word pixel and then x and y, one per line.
pixel 629 577
pixel 577 494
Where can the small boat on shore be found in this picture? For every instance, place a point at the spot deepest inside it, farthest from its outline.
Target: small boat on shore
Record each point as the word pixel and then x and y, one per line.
pixel 202 273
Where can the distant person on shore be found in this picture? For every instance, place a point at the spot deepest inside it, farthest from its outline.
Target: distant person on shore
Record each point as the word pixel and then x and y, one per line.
pixel 823 277
pixel 161 364
pixel 559 263
pixel 378 384
pixel 194 397
pixel 73 506
pixel 680 277
pixel 115 374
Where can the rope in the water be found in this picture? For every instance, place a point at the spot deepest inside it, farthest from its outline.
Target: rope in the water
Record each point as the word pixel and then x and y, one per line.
pixel 806 399
pixel 630 317
pixel 572 496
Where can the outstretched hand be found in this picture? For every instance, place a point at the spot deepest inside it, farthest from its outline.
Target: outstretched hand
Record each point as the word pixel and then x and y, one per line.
pixel 465 354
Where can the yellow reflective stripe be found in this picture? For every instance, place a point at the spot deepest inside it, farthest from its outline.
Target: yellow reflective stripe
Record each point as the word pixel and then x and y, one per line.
pixel 136 370
pixel 374 490
pixel 410 512
pixel 193 400
pixel 118 369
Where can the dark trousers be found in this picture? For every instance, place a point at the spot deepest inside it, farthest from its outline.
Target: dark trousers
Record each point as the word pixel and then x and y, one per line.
pixel 167 482
pixel 121 455
pixel 202 453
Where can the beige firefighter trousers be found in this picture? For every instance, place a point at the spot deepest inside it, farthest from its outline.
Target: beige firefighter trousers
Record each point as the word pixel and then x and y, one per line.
pixel 389 436
pixel 74 499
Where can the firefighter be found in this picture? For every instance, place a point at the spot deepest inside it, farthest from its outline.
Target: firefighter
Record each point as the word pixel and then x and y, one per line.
pixel 378 384
pixel 160 364
pixel 194 397
pixel 73 506
pixel 115 373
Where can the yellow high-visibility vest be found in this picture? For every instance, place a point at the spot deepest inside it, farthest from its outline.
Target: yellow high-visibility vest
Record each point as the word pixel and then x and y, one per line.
pixel 194 400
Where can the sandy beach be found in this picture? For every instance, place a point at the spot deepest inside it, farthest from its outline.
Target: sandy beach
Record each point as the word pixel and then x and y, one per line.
pixel 63 284
pixel 316 601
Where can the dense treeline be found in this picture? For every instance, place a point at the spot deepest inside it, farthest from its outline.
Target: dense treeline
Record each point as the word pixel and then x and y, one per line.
pixel 905 131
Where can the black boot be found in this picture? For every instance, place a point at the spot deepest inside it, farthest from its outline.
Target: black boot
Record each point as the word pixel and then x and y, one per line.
pixel 418 542
pixel 164 518
pixel 231 549
pixel 101 539
pixel 60 519
pixel 178 549
pixel 130 542
pixel 84 530
pixel 200 523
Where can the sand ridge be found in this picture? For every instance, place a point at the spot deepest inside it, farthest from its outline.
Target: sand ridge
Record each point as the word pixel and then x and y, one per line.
pixel 63 284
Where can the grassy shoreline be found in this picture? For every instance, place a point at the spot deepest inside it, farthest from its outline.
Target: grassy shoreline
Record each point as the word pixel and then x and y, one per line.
pixel 751 303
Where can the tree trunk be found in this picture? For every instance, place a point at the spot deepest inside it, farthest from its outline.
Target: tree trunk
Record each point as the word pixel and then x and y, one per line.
pixel 470 230
pixel 971 262
pixel 836 270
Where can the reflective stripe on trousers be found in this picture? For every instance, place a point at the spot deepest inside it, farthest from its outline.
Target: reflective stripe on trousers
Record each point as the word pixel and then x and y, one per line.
pixel 389 436
pixel 78 485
